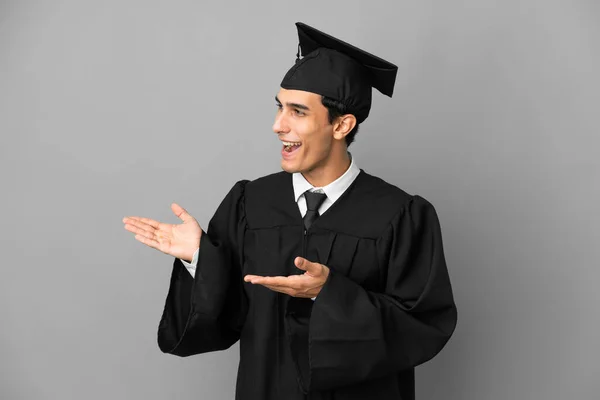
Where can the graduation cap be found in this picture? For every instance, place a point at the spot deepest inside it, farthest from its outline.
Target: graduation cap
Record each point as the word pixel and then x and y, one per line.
pixel 339 70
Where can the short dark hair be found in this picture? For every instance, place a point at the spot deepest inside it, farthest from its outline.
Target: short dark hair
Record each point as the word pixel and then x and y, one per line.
pixel 337 109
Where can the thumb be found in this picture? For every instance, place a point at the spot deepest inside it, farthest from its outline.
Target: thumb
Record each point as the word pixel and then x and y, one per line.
pixel 312 268
pixel 181 212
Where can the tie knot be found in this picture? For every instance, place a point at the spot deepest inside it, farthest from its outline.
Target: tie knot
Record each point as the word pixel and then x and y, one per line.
pixel 314 200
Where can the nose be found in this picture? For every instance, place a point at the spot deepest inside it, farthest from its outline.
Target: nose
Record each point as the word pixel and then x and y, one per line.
pixel 280 125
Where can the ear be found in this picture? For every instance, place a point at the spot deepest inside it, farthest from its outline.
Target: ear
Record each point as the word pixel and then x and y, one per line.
pixel 343 126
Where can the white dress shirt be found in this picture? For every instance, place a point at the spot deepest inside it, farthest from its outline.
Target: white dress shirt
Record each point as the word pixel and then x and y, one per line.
pixel 333 191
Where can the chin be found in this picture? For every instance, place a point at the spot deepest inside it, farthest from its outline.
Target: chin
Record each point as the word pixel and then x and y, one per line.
pixel 289 167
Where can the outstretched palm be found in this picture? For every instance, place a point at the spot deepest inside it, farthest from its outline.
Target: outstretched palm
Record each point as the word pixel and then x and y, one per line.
pixel 179 241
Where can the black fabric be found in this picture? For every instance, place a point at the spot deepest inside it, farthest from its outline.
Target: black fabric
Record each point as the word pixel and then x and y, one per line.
pixel 336 69
pixel 386 307
pixel 313 202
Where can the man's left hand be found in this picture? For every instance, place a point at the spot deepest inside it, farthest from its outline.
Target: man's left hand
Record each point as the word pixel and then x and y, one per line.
pixel 307 285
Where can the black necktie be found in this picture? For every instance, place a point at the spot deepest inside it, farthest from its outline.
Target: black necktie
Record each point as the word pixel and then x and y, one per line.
pixel 313 202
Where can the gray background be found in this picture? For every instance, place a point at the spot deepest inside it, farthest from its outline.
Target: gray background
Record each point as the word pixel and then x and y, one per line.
pixel 114 108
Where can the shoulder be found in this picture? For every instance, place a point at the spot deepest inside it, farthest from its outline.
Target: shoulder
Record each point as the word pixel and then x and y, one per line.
pixel 382 195
pixel 268 188
pixel 269 181
pixel 264 184
pixel 382 204
pixel 268 200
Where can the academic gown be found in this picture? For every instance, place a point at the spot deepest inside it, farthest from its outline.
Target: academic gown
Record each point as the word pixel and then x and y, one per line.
pixel 386 307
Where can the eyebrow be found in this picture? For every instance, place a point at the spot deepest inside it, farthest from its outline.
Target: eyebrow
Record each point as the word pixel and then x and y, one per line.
pixel 293 105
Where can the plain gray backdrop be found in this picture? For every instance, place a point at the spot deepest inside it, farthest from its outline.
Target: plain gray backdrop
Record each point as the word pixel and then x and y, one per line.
pixel 114 108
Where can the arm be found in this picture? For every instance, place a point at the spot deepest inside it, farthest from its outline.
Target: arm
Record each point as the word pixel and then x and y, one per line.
pixel 191 266
pixel 357 335
pixel 206 312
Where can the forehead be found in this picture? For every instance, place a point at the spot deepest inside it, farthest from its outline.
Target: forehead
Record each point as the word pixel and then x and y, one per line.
pixel 309 99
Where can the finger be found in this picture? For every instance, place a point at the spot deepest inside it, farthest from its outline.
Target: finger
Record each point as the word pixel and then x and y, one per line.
pixel 311 268
pixel 283 290
pixel 249 278
pixel 138 228
pixel 289 292
pixel 280 289
pixel 252 278
pixel 140 231
pixel 148 242
pixel 278 281
pixel 181 212
pixel 137 222
pixel 142 221
pixel 153 235
pixel 255 279
pixel 151 222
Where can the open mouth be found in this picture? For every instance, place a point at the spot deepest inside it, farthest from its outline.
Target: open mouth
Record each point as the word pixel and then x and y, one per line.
pixel 290 147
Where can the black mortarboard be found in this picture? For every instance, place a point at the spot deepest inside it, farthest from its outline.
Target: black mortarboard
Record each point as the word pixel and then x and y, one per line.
pixel 336 69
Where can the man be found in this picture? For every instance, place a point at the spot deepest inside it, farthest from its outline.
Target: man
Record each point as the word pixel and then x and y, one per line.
pixel 333 280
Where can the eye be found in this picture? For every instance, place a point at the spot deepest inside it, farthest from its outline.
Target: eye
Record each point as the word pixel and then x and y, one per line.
pixel 279 106
pixel 299 113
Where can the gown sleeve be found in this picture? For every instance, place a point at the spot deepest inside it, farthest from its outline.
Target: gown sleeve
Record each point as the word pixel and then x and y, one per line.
pixel 357 335
pixel 206 312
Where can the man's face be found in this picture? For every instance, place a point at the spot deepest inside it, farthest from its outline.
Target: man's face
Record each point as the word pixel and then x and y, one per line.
pixel 302 120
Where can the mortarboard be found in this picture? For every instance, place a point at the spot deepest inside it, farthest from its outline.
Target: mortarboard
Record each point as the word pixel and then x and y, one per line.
pixel 339 70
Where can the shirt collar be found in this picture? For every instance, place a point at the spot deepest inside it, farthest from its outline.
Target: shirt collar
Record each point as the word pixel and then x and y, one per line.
pixel 333 190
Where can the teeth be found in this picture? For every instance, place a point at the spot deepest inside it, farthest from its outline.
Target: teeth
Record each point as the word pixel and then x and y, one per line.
pixel 291 144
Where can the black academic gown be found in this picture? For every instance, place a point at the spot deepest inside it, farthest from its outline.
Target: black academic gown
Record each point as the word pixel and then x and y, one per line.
pixel 386 306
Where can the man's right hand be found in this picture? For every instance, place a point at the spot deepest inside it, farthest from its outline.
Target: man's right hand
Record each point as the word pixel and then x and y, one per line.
pixel 179 241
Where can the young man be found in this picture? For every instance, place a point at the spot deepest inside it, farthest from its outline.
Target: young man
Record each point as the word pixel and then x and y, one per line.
pixel 333 280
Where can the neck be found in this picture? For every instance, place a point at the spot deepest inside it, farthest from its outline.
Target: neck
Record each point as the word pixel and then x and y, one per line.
pixel 334 167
